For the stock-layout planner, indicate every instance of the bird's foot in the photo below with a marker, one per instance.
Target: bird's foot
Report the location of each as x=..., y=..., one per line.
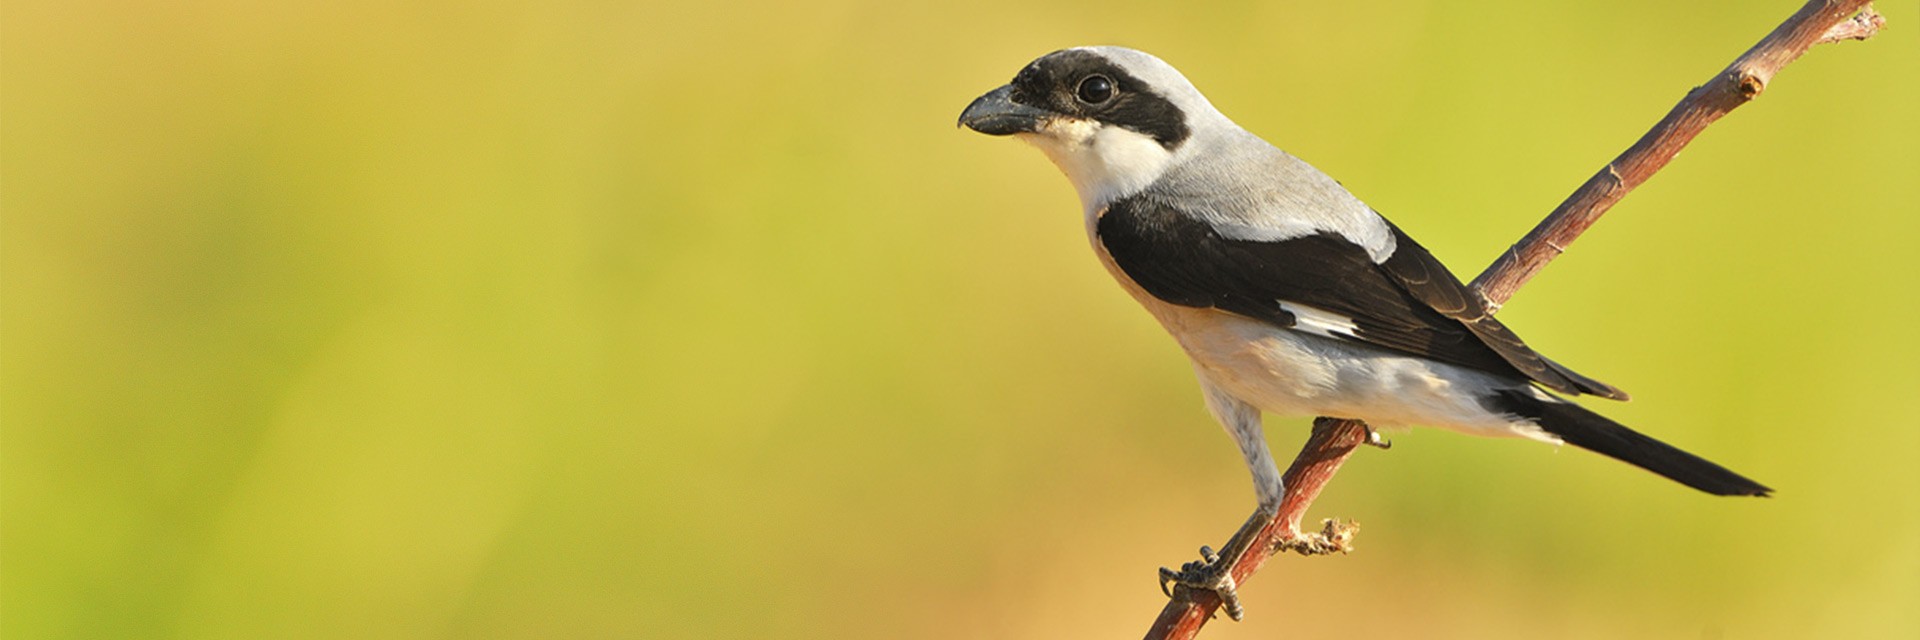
x=1214, y=571
x=1211, y=573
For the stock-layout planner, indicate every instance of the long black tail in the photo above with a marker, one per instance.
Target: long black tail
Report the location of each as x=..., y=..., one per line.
x=1594, y=432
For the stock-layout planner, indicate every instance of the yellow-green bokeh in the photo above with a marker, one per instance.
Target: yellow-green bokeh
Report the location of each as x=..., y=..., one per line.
x=701, y=319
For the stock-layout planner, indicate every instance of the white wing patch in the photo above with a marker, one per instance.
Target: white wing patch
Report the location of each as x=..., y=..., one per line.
x=1318, y=321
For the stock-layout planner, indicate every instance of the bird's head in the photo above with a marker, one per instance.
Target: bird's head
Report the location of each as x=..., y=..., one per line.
x=1113, y=119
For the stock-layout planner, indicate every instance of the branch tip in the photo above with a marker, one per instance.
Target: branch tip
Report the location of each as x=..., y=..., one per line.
x=1333, y=537
x=1861, y=26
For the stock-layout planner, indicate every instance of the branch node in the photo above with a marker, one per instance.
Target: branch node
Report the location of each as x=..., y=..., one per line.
x=1749, y=83
x=1616, y=182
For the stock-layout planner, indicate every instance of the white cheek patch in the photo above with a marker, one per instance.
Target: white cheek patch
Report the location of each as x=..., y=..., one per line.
x=1319, y=322
x=1104, y=162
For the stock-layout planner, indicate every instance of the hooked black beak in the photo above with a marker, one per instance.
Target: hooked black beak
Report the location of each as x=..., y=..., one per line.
x=996, y=114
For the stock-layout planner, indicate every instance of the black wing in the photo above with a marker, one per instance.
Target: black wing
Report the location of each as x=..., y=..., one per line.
x=1410, y=303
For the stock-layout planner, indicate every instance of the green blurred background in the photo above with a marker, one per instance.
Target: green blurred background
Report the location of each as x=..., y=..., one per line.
x=691, y=320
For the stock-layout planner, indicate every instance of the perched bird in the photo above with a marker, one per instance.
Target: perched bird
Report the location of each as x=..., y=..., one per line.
x=1289, y=294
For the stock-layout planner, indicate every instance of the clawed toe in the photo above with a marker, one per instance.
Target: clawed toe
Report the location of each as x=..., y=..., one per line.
x=1209, y=573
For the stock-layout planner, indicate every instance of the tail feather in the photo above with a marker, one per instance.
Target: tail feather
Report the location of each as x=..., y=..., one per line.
x=1594, y=432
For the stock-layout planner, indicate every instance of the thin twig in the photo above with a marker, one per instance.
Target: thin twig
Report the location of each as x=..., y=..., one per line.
x=1820, y=21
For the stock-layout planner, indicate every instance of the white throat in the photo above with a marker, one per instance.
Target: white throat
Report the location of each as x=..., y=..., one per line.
x=1104, y=162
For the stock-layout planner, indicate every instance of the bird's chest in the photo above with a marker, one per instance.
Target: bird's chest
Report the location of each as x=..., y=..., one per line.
x=1274, y=368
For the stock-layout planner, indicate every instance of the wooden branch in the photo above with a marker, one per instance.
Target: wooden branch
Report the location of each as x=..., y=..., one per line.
x=1329, y=446
x=1820, y=21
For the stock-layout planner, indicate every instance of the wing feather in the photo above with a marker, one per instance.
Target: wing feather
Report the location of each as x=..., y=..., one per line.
x=1409, y=303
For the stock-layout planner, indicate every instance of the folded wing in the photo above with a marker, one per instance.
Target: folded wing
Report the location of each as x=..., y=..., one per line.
x=1326, y=285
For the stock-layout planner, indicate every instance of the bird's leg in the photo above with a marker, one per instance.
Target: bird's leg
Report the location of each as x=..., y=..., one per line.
x=1214, y=571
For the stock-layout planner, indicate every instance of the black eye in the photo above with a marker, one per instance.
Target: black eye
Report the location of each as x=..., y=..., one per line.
x=1095, y=89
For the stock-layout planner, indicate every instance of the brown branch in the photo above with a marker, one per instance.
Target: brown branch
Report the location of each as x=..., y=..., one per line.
x=1332, y=441
x=1820, y=21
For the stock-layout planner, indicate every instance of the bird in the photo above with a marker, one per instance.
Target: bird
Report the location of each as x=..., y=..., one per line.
x=1289, y=295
